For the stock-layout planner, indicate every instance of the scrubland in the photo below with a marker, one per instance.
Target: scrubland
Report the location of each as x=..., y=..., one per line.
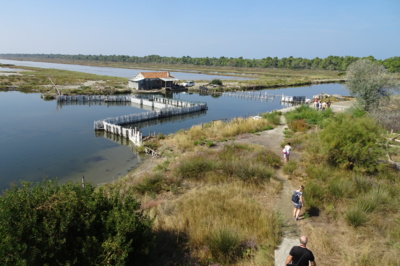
x=211, y=198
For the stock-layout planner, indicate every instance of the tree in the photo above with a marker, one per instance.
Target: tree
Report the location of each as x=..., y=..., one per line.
x=48, y=224
x=352, y=142
x=216, y=82
x=369, y=82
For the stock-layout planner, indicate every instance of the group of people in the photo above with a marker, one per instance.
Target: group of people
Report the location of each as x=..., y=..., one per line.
x=321, y=105
x=298, y=255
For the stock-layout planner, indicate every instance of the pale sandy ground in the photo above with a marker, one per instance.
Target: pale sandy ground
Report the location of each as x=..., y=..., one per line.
x=9, y=74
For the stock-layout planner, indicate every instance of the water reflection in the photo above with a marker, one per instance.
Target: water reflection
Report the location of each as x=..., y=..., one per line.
x=49, y=139
x=105, y=104
x=165, y=120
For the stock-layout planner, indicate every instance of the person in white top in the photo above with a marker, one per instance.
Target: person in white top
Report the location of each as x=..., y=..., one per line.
x=286, y=152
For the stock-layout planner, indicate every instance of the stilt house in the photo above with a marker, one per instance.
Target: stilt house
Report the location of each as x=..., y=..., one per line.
x=152, y=81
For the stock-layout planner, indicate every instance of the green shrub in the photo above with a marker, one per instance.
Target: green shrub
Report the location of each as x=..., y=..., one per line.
x=224, y=246
x=288, y=133
x=160, y=136
x=152, y=184
x=352, y=143
x=268, y=157
x=376, y=198
x=162, y=166
x=251, y=172
x=216, y=82
x=315, y=195
x=273, y=117
x=356, y=216
x=362, y=183
x=309, y=115
x=195, y=167
x=319, y=172
x=340, y=188
x=290, y=167
x=48, y=224
x=210, y=143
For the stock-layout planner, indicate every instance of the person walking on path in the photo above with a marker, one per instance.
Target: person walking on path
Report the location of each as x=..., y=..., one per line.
x=286, y=152
x=298, y=202
x=301, y=255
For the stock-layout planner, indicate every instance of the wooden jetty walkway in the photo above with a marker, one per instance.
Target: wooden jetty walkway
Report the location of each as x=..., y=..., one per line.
x=165, y=108
x=266, y=96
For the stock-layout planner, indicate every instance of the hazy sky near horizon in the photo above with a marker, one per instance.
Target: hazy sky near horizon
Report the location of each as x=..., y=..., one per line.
x=207, y=28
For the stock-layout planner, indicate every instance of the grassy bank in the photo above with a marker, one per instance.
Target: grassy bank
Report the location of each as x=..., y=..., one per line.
x=42, y=80
x=260, y=77
x=351, y=187
x=210, y=197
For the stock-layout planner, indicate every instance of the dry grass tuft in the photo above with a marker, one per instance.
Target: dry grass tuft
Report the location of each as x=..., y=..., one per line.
x=203, y=213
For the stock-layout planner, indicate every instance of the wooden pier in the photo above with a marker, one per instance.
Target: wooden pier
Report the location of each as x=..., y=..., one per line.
x=252, y=95
x=165, y=108
x=266, y=96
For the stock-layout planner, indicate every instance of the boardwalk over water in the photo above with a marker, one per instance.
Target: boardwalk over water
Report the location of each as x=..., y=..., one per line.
x=166, y=108
x=266, y=96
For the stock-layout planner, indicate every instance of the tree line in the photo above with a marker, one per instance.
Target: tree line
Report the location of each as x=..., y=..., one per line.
x=339, y=63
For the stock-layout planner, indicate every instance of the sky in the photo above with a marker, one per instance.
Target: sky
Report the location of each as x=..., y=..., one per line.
x=207, y=28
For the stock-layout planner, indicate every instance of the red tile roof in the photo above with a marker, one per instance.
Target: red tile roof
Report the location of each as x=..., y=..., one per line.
x=152, y=75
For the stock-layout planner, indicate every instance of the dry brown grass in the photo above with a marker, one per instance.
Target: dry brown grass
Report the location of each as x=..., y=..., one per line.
x=207, y=196
x=202, y=212
x=215, y=131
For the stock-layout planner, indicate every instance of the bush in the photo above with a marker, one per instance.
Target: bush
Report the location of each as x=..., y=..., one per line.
x=195, y=167
x=356, y=216
x=290, y=167
x=273, y=117
x=340, y=188
x=48, y=224
x=376, y=198
x=255, y=173
x=352, y=143
x=216, y=82
x=315, y=195
x=152, y=184
x=224, y=246
x=309, y=115
x=299, y=125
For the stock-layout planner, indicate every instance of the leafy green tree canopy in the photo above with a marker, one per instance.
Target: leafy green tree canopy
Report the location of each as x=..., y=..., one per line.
x=216, y=82
x=369, y=82
x=48, y=224
x=352, y=143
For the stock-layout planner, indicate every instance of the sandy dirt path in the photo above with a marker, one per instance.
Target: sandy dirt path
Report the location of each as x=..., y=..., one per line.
x=272, y=139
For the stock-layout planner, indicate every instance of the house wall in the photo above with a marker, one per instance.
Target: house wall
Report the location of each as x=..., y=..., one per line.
x=146, y=84
x=150, y=84
x=133, y=85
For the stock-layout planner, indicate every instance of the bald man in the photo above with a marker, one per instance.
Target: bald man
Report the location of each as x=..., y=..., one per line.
x=300, y=255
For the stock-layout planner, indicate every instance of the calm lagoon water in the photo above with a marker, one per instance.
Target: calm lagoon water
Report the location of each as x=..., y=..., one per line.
x=44, y=139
